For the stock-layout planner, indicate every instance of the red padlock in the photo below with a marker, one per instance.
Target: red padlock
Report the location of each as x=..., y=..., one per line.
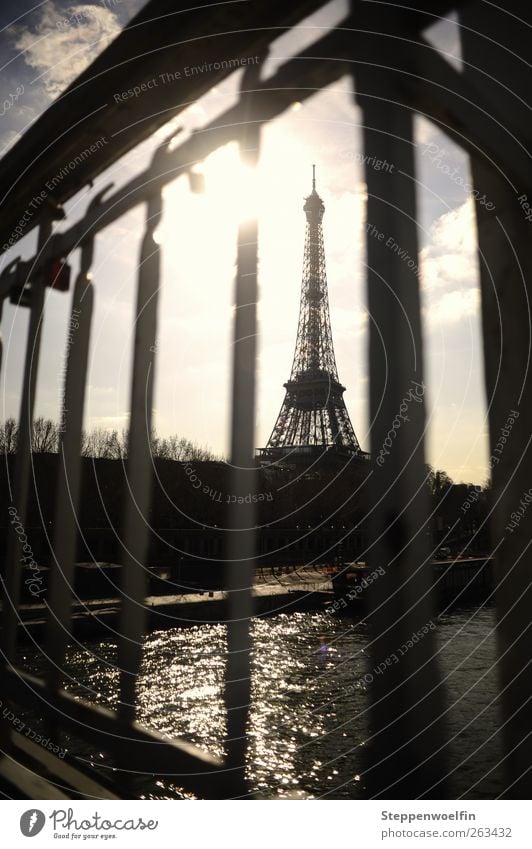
x=59, y=275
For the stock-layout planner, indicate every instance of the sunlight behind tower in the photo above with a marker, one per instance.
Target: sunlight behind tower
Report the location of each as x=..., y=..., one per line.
x=231, y=184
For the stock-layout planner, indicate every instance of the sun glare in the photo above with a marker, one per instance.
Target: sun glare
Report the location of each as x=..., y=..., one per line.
x=231, y=185
x=239, y=191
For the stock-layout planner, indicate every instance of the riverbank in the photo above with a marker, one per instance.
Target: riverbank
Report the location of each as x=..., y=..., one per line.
x=303, y=590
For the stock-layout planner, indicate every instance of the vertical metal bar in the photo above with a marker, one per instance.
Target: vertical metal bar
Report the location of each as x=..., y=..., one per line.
x=138, y=464
x=69, y=471
x=406, y=695
x=505, y=259
x=242, y=538
x=242, y=543
x=1, y=337
x=12, y=580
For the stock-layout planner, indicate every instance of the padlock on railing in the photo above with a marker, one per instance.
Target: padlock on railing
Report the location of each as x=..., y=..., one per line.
x=58, y=275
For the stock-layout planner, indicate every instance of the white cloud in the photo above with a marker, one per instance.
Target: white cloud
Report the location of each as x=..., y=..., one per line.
x=449, y=268
x=456, y=229
x=7, y=140
x=62, y=44
x=454, y=306
x=100, y=390
x=109, y=422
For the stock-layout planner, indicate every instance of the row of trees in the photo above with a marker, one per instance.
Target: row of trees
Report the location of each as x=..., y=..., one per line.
x=100, y=443
x=459, y=513
x=439, y=482
x=112, y=445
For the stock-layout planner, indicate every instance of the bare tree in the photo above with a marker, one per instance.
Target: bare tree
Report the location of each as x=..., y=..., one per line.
x=45, y=436
x=115, y=447
x=101, y=443
x=85, y=443
x=180, y=449
x=9, y=437
x=442, y=482
x=198, y=453
x=94, y=443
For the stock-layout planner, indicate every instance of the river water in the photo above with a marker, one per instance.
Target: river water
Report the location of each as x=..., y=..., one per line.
x=305, y=733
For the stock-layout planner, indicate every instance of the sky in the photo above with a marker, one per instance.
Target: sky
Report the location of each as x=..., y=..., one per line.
x=198, y=237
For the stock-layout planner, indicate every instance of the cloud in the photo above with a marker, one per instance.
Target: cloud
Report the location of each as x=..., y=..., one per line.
x=7, y=140
x=449, y=268
x=121, y=420
x=454, y=306
x=62, y=44
x=456, y=229
x=100, y=390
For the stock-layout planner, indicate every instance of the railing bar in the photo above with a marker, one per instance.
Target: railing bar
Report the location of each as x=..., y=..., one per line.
x=69, y=471
x=242, y=540
x=139, y=466
x=407, y=701
x=222, y=130
x=12, y=580
x=302, y=75
x=147, y=749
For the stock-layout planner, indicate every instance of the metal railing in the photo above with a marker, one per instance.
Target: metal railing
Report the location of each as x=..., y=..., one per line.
x=407, y=755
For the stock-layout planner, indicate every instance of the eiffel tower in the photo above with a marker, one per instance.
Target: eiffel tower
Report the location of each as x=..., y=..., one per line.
x=313, y=421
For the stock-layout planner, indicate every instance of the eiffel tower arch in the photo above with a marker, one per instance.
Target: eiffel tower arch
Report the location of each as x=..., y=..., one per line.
x=313, y=422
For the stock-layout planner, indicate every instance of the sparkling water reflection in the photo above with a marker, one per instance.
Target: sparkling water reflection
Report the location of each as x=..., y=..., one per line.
x=309, y=711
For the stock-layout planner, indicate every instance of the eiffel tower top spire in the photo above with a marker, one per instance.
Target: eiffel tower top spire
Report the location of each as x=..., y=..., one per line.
x=313, y=412
x=314, y=348
x=314, y=206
